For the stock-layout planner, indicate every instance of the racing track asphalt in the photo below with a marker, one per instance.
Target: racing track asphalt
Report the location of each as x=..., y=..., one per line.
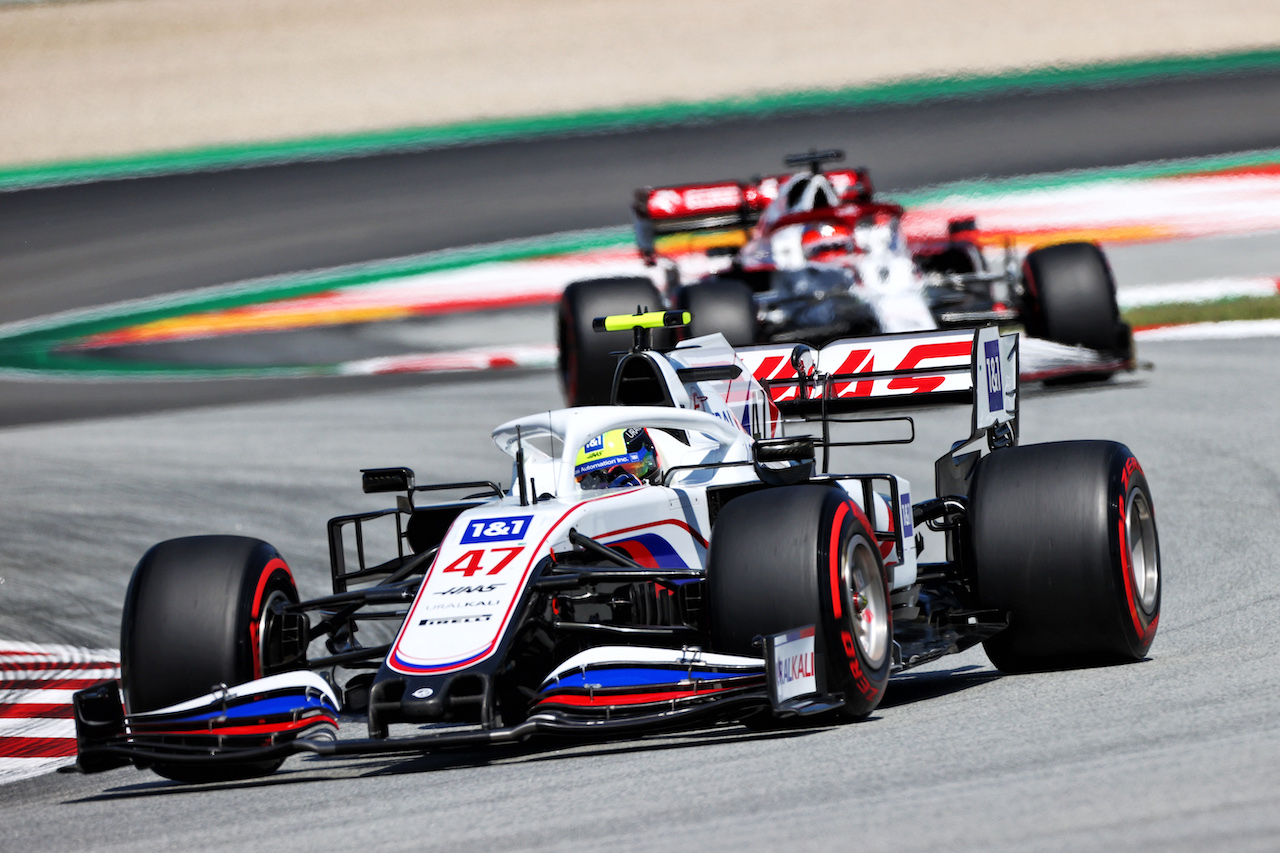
x=77, y=246
x=1176, y=753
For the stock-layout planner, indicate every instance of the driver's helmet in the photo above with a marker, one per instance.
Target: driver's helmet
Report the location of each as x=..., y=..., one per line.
x=801, y=193
x=617, y=459
x=826, y=241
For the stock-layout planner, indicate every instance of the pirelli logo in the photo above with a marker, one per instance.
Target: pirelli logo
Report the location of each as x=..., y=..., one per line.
x=456, y=620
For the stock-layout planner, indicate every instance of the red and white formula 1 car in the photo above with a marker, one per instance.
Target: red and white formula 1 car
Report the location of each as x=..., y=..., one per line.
x=815, y=255
x=680, y=558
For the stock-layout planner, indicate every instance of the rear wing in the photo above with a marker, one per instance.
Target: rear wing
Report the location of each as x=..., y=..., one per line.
x=979, y=366
x=755, y=389
x=688, y=218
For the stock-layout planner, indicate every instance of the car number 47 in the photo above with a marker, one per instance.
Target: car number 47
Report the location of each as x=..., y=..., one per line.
x=475, y=560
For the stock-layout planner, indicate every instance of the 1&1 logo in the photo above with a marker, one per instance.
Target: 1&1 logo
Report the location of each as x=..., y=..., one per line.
x=995, y=387
x=506, y=529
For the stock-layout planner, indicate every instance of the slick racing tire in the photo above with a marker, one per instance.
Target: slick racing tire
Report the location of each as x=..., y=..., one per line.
x=1063, y=540
x=723, y=305
x=1070, y=298
x=787, y=557
x=585, y=365
x=199, y=613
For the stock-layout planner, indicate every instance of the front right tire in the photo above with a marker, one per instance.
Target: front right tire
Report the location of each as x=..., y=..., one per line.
x=1063, y=539
x=723, y=305
x=1070, y=297
x=199, y=613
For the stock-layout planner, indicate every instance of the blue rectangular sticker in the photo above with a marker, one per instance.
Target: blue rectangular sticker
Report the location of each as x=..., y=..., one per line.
x=505, y=529
x=995, y=384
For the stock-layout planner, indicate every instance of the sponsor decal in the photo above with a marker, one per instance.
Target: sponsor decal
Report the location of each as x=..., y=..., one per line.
x=995, y=386
x=456, y=620
x=496, y=529
x=706, y=198
x=607, y=462
x=673, y=202
x=454, y=605
x=462, y=590
x=930, y=365
x=423, y=693
x=664, y=201
x=860, y=680
x=793, y=670
x=907, y=530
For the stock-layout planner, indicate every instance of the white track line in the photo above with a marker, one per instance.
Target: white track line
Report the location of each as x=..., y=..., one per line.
x=1230, y=330
x=483, y=358
x=7, y=673
x=1207, y=290
x=37, y=728
x=36, y=697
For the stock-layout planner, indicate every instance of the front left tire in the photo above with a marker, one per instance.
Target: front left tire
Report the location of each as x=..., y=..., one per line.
x=586, y=361
x=1069, y=296
x=791, y=556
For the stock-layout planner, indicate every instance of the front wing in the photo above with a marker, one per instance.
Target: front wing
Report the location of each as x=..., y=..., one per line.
x=603, y=693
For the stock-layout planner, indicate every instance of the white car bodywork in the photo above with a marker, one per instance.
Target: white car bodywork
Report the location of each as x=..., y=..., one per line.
x=469, y=597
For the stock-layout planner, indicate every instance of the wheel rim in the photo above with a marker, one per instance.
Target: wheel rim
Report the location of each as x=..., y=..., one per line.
x=867, y=604
x=266, y=626
x=1144, y=557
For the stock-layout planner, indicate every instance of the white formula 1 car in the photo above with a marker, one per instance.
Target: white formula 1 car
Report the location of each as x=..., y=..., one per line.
x=816, y=255
x=681, y=558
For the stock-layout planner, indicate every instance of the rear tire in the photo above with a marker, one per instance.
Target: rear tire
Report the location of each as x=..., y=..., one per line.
x=1070, y=298
x=786, y=557
x=197, y=615
x=723, y=305
x=1063, y=539
x=585, y=364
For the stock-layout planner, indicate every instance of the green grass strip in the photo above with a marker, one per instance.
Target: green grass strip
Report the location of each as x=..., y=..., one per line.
x=909, y=91
x=83, y=368
x=1226, y=310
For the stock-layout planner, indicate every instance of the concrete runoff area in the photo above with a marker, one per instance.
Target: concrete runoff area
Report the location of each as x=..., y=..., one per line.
x=118, y=77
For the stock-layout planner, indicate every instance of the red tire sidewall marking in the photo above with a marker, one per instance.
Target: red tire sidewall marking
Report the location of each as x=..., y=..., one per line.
x=847, y=508
x=1144, y=630
x=255, y=612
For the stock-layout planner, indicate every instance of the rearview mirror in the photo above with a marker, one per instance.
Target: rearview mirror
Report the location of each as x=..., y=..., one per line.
x=386, y=480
